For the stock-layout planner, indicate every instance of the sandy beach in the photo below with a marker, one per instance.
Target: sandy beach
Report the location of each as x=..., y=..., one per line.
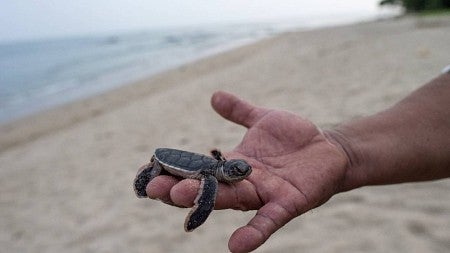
x=66, y=174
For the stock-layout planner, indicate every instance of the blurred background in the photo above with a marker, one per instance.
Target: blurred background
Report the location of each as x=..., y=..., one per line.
x=52, y=52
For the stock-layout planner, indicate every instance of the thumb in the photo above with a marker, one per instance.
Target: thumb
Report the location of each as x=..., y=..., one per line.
x=236, y=110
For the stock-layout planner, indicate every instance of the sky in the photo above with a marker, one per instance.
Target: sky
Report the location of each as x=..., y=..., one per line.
x=33, y=19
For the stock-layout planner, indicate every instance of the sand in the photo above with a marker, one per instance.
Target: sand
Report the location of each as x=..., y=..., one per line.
x=66, y=174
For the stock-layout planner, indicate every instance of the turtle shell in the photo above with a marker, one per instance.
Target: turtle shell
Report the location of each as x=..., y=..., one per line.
x=183, y=163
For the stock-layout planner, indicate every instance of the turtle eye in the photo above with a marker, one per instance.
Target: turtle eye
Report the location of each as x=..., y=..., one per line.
x=239, y=170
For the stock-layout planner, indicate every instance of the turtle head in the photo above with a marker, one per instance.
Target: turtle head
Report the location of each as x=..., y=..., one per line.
x=235, y=170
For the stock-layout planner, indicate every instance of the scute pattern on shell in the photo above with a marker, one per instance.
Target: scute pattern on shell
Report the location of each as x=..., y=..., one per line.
x=184, y=159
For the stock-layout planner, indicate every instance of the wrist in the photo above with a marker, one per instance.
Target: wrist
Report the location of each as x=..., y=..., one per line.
x=405, y=143
x=339, y=138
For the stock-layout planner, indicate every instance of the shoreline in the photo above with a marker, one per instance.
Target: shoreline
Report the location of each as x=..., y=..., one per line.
x=18, y=130
x=35, y=125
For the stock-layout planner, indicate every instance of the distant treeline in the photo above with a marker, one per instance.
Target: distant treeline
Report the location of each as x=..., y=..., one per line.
x=419, y=5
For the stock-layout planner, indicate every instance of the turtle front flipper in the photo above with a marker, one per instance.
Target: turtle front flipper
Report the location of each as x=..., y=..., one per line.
x=145, y=174
x=217, y=155
x=203, y=204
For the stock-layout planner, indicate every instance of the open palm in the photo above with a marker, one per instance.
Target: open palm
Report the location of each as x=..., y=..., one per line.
x=295, y=168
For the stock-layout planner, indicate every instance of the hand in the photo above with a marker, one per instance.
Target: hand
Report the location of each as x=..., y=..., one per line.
x=295, y=168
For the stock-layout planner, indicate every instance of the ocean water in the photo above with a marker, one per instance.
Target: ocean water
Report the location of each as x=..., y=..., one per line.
x=36, y=75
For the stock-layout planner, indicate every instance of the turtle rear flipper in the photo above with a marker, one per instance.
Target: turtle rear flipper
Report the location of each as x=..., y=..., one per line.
x=203, y=204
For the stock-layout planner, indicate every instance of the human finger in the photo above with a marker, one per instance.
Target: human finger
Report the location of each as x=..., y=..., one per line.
x=235, y=109
x=185, y=192
x=267, y=220
x=159, y=188
x=240, y=195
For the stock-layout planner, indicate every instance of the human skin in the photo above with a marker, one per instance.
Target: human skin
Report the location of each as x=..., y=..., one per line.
x=297, y=166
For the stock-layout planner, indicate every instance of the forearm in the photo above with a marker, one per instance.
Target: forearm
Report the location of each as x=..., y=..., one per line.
x=408, y=142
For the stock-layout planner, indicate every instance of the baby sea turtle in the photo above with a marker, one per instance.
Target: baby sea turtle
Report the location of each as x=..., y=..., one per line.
x=186, y=164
